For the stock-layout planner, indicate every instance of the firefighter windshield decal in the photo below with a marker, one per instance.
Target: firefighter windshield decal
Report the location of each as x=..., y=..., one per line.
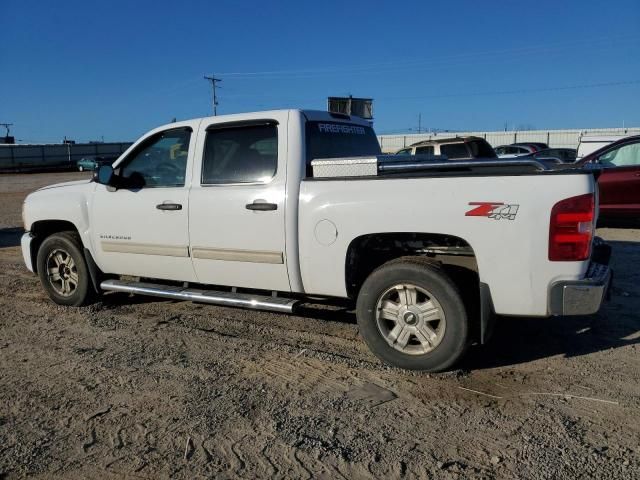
x=495, y=210
x=341, y=128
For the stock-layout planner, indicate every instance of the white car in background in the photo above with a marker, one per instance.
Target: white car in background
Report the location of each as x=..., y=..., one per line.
x=513, y=151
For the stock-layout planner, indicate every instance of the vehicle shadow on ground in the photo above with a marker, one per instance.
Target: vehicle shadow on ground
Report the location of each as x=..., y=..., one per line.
x=10, y=237
x=319, y=311
x=619, y=223
x=518, y=340
x=120, y=299
x=344, y=313
x=521, y=340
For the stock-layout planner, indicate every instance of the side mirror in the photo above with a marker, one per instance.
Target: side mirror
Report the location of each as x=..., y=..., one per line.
x=104, y=175
x=592, y=165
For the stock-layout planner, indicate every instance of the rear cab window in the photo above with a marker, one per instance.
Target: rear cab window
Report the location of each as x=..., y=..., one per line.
x=481, y=149
x=454, y=151
x=326, y=139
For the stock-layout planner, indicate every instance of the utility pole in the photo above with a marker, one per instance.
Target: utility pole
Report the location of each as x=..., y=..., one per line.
x=420, y=123
x=7, y=138
x=7, y=125
x=214, y=84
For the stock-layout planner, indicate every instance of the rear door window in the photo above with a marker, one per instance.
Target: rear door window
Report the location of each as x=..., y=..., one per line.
x=244, y=154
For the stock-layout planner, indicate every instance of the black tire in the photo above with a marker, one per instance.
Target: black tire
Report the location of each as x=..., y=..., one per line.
x=70, y=244
x=427, y=275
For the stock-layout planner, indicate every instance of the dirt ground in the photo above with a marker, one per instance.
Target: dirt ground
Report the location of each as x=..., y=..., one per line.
x=144, y=388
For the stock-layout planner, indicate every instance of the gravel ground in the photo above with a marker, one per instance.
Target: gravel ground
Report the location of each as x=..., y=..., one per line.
x=144, y=388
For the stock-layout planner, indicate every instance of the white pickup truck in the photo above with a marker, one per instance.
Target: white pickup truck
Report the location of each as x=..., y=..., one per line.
x=266, y=210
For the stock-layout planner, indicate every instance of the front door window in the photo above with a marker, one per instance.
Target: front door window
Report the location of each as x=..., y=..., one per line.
x=625, y=156
x=161, y=161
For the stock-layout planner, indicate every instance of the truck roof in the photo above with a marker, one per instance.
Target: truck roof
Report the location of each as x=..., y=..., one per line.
x=310, y=115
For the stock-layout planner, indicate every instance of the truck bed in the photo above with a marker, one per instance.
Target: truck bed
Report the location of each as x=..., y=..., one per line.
x=511, y=249
x=431, y=166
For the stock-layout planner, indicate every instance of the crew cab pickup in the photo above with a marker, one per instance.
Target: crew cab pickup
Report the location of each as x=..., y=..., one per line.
x=268, y=210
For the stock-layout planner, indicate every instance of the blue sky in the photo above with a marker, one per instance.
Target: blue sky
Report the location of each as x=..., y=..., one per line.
x=87, y=69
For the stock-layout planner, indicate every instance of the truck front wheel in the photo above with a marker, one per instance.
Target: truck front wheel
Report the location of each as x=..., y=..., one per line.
x=63, y=271
x=412, y=316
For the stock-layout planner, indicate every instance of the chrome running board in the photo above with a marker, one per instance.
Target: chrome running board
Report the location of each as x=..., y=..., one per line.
x=227, y=299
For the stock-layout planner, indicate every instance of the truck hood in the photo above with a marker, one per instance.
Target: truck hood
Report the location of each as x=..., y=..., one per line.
x=64, y=184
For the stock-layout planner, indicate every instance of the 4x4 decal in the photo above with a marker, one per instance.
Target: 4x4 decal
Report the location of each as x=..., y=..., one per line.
x=495, y=210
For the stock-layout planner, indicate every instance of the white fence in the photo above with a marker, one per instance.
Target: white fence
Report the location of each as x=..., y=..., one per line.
x=554, y=138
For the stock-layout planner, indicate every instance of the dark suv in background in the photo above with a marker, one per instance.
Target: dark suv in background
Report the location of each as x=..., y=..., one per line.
x=458, y=148
x=564, y=155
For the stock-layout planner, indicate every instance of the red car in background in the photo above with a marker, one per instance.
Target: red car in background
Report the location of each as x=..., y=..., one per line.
x=619, y=182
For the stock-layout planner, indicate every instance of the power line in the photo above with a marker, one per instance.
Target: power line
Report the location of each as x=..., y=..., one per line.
x=455, y=58
x=309, y=97
x=515, y=92
x=214, y=84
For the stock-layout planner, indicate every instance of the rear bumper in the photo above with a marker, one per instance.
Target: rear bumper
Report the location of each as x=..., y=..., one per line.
x=581, y=297
x=25, y=245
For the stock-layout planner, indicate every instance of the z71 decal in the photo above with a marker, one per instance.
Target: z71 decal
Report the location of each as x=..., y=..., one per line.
x=495, y=210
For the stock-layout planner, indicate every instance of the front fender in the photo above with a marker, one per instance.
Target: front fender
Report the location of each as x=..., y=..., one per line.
x=60, y=205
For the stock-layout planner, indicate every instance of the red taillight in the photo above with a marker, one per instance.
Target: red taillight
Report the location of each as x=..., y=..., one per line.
x=571, y=229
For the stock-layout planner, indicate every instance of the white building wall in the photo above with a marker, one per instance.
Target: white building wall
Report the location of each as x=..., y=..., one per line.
x=554, y=138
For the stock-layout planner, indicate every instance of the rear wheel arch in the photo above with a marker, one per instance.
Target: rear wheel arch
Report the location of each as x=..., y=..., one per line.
x=453, y=254
x=367, y=252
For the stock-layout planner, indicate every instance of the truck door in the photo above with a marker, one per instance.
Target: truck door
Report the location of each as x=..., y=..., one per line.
x=237, y=202
x=620, y=180
x=144, y=231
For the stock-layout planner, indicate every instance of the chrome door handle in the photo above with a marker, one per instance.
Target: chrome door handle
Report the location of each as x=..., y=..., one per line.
x=169, y=206
x=261, y=206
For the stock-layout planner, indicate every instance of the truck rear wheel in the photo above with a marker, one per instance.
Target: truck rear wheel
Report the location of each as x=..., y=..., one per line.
x=63, y=270
x=412, y=316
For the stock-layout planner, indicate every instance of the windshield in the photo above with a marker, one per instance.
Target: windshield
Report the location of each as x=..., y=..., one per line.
x=336, y=140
